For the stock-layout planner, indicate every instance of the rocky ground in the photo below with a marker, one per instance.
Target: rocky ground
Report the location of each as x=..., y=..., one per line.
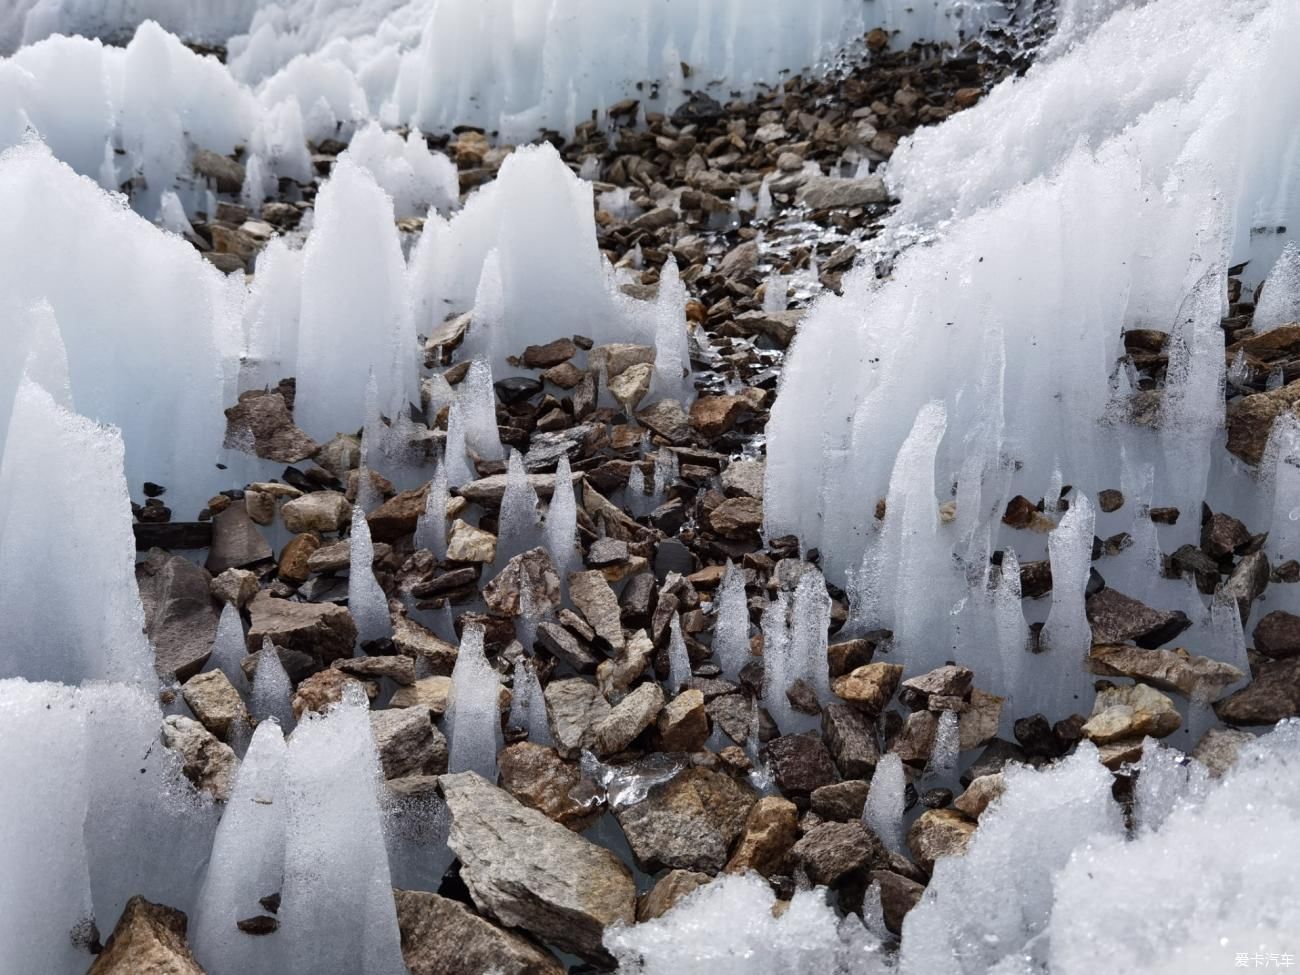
x=696, y=776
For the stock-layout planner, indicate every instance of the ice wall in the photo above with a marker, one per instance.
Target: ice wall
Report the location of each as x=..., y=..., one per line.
x=148, y=326
x=27, y=21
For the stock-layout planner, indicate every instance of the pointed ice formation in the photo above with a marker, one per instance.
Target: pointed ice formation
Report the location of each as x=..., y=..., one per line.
x=561, y=529
x=731, y=624
x=473, y=713
x=229, y=648
x=1279, y=301
x=478, y=413
x=886, y=802
x=672, y=354
x=272, y=689
x=366, y=600
x=431, y=527
x=519, y=525
x=679, y=661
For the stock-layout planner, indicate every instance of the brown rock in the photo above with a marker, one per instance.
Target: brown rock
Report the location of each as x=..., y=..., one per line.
x=541, y=780
x=532, y=570
x=667, y=891
x=869, y=687
x=445, y=937
x=1116, y=618
x=1250, y=420
x=898, y=895
x=840, y=801
x=427, y=692
x=687, y=823
x=939, y=833
x=712, y=416
x=800, y=763
x=216, y=703
x=1127, y=712
x=207, y=762
x=1201, y=678
x=322, y=630
x=831, y=852
x=149, y=938
x=597, y=603
x=851, y=740
x=396, y=517
x=319, y=511
x=261, y=421
x=771, y=828
x=667, y=419
x=737, y=517
x=294, y=558
x=1272, y=695
x=683, y=724
x=551, y=354
x=322, y=690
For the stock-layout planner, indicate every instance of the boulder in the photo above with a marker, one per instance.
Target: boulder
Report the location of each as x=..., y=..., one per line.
x=179, y=616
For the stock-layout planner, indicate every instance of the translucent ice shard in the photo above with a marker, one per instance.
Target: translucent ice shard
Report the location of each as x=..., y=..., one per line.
x=473, y=713
x=731, y=624
x=561, y=529
x=519, y=525
x=431, y=528
x=883, y=812
x=366, y=600
x=1279, y=302
x=229, y=648
x=272, y=689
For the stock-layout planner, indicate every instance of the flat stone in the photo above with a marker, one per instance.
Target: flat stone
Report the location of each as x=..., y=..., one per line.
x=978, y=724
x=322, y=630
x=667, y=419
x=851, y=740
x=550, y=354
x=869, y=687
x=1127, y=712
x=216, y=703
x=397, y=667
x=683, y=724
x=149, y=937
x=489, y=490
x=532, y=570
x=414, y=640
x=631, y=716
x=840, y=801
x=829, y=192
x=617, y=357
x=565, y=647
x=226, y=174
x=949, y=681
x=319, y=511
x=687, y=823
x=465, y=543
x=596, y=601
x=541, y=780
x=445, y=937
x=770, y=830
x=737, y=518
x=206, y=761
x=426, y=692
x=179, y=616
x=407, y=742
x=1272, y=695
x=261, y=420
x=979, y=794
x=744, y=478
x=939, y=833
x=625, y=668
x=800, y=763
x=1200, y=678
x=630, y=386
x=831, y=852
x=529, y=872
x=712, y=416
x=574, y=707
x=1278, y=634
x=236, y=541
x=667, y=892
x=1116, y=618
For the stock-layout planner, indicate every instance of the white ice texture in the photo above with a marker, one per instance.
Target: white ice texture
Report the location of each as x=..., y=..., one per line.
x=561, y=528
x=272, y=690
x=366, y=600
x=229, y=648
x=473, y=712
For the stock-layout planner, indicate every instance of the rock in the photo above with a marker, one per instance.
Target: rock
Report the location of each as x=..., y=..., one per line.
x=737, y=517
x=533, y=570
x=607, y=551
x=322, y=630
x=323, y=690
x=224, y=172
x=551, y=354
x=338, y=555
x=631, y=716
x=445, y=937
x=236, y=542
x=829, y=192
x=840, y=801
x=625, y=668
x=1116, y=618
x=179, y=617
x=996, y=755
x=1272, y=695
x=848, y=655
x=397, y=517
x=1110, y=500
x=667, y=419
x=465, y=543
x=688, y=822
x=149, y=938
x=259, y=506
x=261, y=421
x=573, y=708
x=1222, y=535
x=1127, y=712
x=236, y=586
x=656, y=219
x=869, y=687
x=831, y=852
x=978, y=724
x=1250, y=420
x=915, y=740
x=530, y=872
x=979, y=794
x=541, y=780
x=1218, y=748
x=398, y=668
x=743, y=478
x=295, y=558
x=800, y=764
x=408, y=743
x=946, y=682
x=667, y=891
x=1247, y=582
x=414, y=640
x=597, y=603
x=216, y=703
x=565, y=647
x=620, y=356
x=340, y=455
x=712, y=416
x=739, y=261
x=427, y=692
x=683, y=724
x=630, y=386
x=770, y=830
x=489, y=490
x=939, y=833
x=898, y=895
x=851, y=740
x=779, y=326
x=516, y=389
x=1278, y=634
x=1200, y=678
x=207, y=762
x=319, y=511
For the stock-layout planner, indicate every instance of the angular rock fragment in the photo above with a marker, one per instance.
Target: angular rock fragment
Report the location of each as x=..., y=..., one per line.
x=179, y=617
x=408, y=743
x=1200, y=678
x=939, y=833
x=236, y=542
x=800, y=763
x=445, y=937
x=574, y=707
x=631, y=716
x=1272, y=695
x=831, y=852
x=869, y=687
x=207, y=762
x=321, y=630
x=687, y=823
x=149, y=937
x=262, y=421
x=1127, y=712
x=667, y=891
x=596, y=601
x=216, y=703
x=1116, y=618
x=541, y=780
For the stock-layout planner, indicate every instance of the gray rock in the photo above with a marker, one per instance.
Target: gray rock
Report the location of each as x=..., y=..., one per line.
x=841, y=801
x=532, y=570
x=225, y=173
x=445, y=937
x=1273, y=694
x=851, y=740
x=491, y=489
x=1218, y=748
x=801, y=764
x=831, y=852
x=668, y=419
x=828, y=192
x=322, y=630
x=565, y=647
x=667, y=891
x=688, y=823
x=573, y=709
x=209, y=763
x=179, y=617
x=1247, y=583
x=319, y=511
x=216, y=703
x=631, y=716
x=408, y=743
x=530, y=872
x=898, y=895
x=261, y=423
x=597, y=603
x=1201, y=678
x=1116, y=618
x=744, y=477
x=236, y=542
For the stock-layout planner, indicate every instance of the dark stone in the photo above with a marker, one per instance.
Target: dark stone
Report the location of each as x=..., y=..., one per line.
x=173, y=535
x=996, y=754
x=936, y=798
x=898, y=895
x=672, y=555
x=1020, y=512
x=802, y=697
x=830, y=853
x=636, y=600
x=1247, y=582
x=1222, y=535
x=516, y=389
x=840, y=802
x=1278, y=634
x=1273, y=694
x=1165, y=516
x=698, y=108
x=1035, y=579
x=851, y=739
x=258, y=924
x=1036, y=737
x=1189, y=558
x=801, y=763
x=1117, y=618
x=565, y=647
